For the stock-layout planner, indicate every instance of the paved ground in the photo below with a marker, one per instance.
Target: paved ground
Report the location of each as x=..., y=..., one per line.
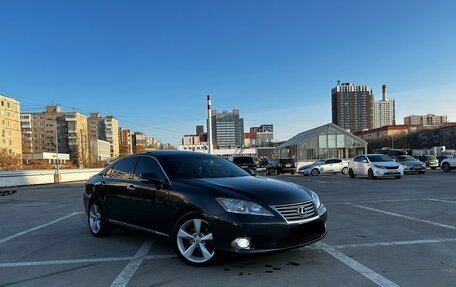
x=385, y=232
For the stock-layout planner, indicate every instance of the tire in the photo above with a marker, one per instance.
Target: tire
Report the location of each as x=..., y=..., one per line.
x=370, y=174
x=446, y=167
x=344, y=171
x=398, y=176
x=433, y=168
x=277, y=172
x=305, y=174
x=292, y=173
x=97, y=221
x=421, y=172
x=351, y=174
x=268, y=172
x=314, y=172
x=193, y=244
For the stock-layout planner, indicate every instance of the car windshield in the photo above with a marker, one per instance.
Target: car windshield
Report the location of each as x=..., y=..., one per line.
x=406, y=158
x=430, y=157
x=201, y=167
x=286, y=161
x=243, y=159
x=379, y=158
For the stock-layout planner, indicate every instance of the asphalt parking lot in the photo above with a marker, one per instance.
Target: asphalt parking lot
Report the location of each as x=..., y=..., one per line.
x=385, y=232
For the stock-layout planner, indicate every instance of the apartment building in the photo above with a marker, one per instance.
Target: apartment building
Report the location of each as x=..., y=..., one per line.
x=106, y=129
x=42, y=131
x=429, y=120
x=125, y=141
x=227, y=129
x=385, y=110
x=10, y=125
x=353, y=107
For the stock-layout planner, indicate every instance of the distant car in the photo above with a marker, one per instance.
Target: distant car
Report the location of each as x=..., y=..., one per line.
x=373, y=166
x=281, y=165
x=333, y=165
x=449, y=163
x=245, y=162
x=430, y=161
x=263, y=163
x=411, y=164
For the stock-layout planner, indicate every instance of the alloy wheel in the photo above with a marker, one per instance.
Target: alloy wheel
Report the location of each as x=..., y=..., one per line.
x=195, y=241
x=95, y=218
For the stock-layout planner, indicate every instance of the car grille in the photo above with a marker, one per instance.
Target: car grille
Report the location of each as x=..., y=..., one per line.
x=291, y=211
x=391, y=167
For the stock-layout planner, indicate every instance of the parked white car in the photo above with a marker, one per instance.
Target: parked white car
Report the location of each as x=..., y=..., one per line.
x=325, y=166
x=449, y=163
x=374, y=165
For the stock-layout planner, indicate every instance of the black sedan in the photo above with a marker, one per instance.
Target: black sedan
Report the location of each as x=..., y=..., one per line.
x=204, y=204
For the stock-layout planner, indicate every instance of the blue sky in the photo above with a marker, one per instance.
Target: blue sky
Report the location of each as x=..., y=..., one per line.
x=151, y=63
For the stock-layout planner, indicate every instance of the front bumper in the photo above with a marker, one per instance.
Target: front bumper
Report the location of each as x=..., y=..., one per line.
x=304, y=171
x=266, y=233
x=408, y=168
x=388, y=172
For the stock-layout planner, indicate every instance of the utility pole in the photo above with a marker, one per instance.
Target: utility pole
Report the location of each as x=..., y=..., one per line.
x=209, y=123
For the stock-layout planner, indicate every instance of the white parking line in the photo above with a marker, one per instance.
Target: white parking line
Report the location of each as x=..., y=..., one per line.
x=392, y=243
x=71, y=261
x=314, y=180
x=442, y=200
x=37, y=227
x=82, y=260
x=406, y=217
x=358, y=267
x=127, y=273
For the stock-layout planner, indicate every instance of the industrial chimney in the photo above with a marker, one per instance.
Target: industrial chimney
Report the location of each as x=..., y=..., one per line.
x=384, y=93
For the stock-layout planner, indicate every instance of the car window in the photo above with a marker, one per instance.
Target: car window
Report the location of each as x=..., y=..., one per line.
x=286, y=161
x=201, y=167
x=337, y=160
x=329, y=161
x=379, y=158
x=147, y=164
x=123, y=168
x=360, y=158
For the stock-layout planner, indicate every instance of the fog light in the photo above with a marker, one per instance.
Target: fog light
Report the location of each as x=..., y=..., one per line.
x=241, y=243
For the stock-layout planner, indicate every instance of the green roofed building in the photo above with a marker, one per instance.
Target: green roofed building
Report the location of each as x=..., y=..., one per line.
x=327, y=141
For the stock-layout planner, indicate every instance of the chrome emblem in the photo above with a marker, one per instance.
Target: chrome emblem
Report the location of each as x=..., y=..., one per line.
x=302, y=210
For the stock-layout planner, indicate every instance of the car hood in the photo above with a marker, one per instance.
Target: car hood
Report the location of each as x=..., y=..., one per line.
x=411, y=162
x=258, y=189
x=309, y=166
x=387, y=163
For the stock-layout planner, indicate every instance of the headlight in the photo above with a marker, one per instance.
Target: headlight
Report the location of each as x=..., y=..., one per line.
x=242, y=207
x=315, y=199
x=378, y=166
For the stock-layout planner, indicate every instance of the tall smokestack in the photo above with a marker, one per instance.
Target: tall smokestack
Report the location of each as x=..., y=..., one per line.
x=209, y=123
x=384, y=93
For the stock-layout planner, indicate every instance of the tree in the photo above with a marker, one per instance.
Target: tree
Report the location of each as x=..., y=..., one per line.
x=9, y=160
x=37, y=164
x=139, y=149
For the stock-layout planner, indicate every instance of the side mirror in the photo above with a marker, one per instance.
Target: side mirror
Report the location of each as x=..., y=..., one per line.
x=364, y=160
x=251, y=172
x=150, y=177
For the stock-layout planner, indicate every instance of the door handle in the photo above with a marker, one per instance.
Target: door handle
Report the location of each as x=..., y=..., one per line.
x=131, y=188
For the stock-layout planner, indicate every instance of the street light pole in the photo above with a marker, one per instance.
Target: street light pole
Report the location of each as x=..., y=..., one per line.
x=57, y=148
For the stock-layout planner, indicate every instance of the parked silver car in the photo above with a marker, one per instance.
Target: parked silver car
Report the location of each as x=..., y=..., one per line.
x=325, y=166
x=411, y=164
